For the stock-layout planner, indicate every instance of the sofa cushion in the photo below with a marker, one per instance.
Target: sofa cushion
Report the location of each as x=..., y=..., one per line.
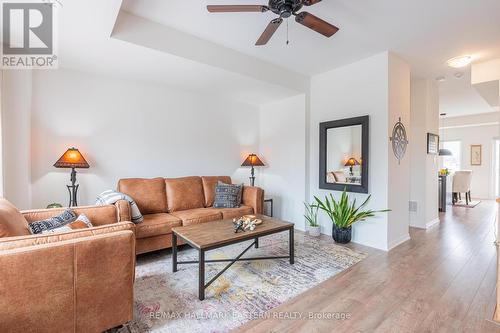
x=184, y=193
x=340, y=176
x=12, y=222
x=157, y=224
x=231, y=213
x=149, y=194
x=200, y=215
x=209, y=183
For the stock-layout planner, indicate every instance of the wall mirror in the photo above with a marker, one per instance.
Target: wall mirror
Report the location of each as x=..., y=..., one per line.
x=343, y=154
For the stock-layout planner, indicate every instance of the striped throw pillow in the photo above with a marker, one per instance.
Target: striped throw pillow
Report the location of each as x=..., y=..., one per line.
x=39, y=227
x=81, y=222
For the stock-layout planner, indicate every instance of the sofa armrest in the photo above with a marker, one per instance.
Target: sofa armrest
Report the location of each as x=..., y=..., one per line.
x=8, y=243
x=253, y=197
x=76, y=285
x=123, y=210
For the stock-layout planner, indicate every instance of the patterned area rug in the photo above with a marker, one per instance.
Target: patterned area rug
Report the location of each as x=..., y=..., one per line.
x=168, y=302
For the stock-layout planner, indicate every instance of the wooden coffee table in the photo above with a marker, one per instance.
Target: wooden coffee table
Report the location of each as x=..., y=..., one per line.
x=213, y=235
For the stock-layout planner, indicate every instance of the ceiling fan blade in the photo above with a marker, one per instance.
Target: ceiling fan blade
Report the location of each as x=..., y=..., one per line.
x=316, y=24
x=269, y=32
x=310, y=2
x=236, y=8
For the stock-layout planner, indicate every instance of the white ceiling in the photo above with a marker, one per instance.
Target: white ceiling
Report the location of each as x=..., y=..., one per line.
x=425, y=33
x=457, y=97
x=85, y=44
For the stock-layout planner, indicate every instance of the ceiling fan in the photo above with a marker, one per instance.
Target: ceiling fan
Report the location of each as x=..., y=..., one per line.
x=285, y=9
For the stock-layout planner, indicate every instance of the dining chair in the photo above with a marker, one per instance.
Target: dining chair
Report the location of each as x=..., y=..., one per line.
x=461, y=184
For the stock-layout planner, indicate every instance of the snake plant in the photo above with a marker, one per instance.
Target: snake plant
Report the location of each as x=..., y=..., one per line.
x=344, y=213
x=311, y=214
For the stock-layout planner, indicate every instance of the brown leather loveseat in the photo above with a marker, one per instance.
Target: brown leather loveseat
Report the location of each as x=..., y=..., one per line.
x=171, y=202
x=76, y=281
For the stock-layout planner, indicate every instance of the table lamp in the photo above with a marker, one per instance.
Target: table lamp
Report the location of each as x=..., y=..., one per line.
x=253, y=161
x=350, y=163
x=73, y=159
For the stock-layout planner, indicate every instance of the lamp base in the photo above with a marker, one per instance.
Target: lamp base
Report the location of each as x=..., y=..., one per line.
x=252, y=177
x=73, y=189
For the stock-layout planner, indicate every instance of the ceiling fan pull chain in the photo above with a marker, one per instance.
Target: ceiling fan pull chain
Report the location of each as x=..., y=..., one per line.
x=287, y=40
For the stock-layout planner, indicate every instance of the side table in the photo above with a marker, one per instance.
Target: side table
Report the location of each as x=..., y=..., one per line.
x=271, y=204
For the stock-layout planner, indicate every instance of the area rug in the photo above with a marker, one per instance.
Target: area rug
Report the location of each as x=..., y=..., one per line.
x=168, y=302
x=472, y=203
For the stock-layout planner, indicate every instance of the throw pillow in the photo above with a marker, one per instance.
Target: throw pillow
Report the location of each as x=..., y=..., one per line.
x=227, y=195
x=64, y=218
x=110, y=197
x=81, y=222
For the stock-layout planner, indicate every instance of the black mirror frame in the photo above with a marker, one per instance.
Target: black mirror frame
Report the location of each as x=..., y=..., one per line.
x=323, y=128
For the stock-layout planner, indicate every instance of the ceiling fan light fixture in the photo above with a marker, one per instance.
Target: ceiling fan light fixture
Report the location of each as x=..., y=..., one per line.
x=284, y=9
x=460, y=62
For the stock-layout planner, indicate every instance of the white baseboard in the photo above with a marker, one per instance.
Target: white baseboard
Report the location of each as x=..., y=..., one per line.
x=428, y=225
x=398, y=242
x=300, y=227
x=432, y=223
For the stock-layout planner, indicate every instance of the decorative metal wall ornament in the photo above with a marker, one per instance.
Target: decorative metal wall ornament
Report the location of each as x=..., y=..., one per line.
x=399, y=140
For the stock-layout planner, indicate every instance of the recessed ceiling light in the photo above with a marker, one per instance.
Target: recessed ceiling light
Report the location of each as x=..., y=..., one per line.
x=460, y=62
x=441, y=79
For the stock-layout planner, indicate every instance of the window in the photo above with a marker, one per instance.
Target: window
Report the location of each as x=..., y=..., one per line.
x=452, y=162
x=496, y=167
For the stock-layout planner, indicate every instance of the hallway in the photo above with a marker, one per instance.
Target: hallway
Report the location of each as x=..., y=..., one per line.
x=443, y=279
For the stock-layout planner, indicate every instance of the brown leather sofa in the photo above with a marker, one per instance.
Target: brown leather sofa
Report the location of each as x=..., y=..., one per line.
x=78, y=281
x=171, y=202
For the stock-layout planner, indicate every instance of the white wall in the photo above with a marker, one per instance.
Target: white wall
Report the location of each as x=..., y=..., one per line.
x=355, y=90
x=473, y=130
x=137, y=129
x=378, y=86
x=131, y=129
x=424, y=167
x=399, y=171
x=282, y=146
x=16, y=132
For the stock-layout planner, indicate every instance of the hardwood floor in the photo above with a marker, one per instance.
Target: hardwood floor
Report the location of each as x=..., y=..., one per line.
x=442, y=280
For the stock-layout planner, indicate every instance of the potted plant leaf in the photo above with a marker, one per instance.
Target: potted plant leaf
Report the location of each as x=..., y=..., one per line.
x=311, y=216
x=344, y=214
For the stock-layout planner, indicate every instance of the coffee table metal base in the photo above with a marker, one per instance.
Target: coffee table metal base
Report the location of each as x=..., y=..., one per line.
x=201, y=261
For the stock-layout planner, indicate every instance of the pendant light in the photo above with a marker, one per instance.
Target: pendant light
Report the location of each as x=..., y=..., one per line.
x=443, y=151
